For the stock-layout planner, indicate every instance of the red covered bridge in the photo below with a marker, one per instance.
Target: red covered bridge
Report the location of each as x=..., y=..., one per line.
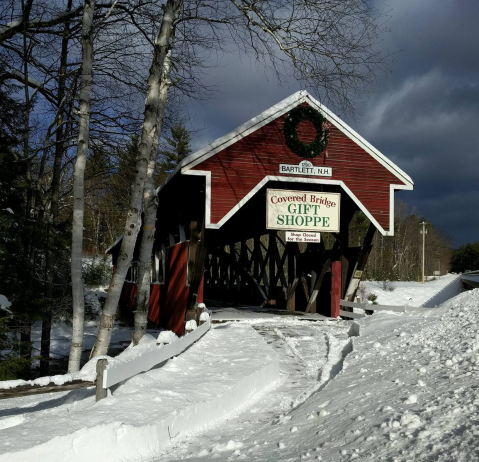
x=225, y=212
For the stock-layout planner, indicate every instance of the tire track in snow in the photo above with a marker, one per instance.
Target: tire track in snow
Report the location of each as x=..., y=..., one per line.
x=336, y=351
x=290, y=343
x=311, y=355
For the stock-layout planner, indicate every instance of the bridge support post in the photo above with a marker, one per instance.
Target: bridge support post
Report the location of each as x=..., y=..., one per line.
x=335, y=288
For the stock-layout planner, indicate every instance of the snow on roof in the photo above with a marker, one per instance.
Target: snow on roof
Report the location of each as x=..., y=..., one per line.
x=114, y=244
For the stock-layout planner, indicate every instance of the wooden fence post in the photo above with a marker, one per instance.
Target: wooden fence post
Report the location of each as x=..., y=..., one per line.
x=100, y=369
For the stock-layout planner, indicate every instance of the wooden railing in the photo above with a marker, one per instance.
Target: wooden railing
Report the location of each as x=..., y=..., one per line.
x=109, y=375
x=371, y=307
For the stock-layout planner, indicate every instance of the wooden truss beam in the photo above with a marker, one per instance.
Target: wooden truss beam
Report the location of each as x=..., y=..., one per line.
x=360, y=264
x=196, y=260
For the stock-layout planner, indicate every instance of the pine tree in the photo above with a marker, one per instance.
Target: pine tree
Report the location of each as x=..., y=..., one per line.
x=14, y=355
x=466, y=258
x=178, y=147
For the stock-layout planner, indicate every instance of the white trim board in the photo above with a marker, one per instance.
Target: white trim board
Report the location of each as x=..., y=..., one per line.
x=266, y=179
x=273, y=113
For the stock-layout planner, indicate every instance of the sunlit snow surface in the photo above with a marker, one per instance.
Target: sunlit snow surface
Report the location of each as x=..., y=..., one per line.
x=405, y=389
x=409, y=293
x=407, y=392
x=200, y=387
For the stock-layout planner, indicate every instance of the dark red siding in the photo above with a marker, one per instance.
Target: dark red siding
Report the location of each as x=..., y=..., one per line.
x=128, y=296
x=237, y=169
x=167, y=301
x=172, y=317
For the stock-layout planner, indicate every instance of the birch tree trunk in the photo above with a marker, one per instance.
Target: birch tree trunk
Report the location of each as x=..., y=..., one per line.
x=79, y=187
x=150, y=199
x=55, y=189
x=154, y=109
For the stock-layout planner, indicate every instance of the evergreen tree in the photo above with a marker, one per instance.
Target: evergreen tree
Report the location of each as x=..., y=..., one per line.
x=466, y=258
x=14, y=356
x=177, y=148
x=125, y=173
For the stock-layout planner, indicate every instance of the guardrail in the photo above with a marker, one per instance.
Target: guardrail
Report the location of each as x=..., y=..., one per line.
x=370, y=307
x=109, y=375
x=450, y=290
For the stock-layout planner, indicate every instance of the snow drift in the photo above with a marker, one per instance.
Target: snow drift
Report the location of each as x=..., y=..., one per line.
x=205, y=384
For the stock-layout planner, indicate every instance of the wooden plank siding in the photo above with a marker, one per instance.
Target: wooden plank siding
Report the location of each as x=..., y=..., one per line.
x=238, y=168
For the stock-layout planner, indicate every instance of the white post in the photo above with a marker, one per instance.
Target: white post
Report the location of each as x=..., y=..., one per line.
x=101, y=393
x=423, y=232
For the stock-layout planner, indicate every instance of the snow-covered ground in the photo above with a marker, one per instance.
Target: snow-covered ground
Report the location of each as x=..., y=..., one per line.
x=62, y=331
x=409, y=293
x=390, y=387
x=199, y=387
x=408, y=391
x=254, y=313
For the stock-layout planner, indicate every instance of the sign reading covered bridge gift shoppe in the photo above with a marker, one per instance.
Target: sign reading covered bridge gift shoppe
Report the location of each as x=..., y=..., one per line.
x=302, y=210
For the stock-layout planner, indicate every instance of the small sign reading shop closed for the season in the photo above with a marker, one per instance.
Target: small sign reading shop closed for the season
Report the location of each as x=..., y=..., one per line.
x=302, y=210
x=302, y=236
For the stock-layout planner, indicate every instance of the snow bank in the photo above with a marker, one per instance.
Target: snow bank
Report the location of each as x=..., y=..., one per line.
x=407, y=392
x=453, y=288
x=206, y=384
x=408, y=292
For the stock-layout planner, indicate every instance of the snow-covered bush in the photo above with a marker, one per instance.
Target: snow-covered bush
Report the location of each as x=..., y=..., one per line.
x=365, y=296
x=361, y=293
x=387, y=285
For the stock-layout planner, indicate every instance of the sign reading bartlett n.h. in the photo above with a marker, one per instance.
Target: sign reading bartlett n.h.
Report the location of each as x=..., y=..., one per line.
x=302, y=210
x=305, y=168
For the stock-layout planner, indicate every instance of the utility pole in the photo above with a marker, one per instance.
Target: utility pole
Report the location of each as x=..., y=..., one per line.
x=423, y=232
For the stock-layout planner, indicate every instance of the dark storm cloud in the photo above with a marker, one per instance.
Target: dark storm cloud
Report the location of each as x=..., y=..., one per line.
x=423, y=113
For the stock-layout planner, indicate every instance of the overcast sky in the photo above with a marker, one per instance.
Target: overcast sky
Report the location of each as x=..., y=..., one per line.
x=423, y=113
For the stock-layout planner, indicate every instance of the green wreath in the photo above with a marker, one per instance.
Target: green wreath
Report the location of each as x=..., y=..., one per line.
x=321, y=125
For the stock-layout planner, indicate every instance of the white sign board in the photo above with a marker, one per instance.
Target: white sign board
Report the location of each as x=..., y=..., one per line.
x=302, y=236
x=302, y=210
x=305, y=168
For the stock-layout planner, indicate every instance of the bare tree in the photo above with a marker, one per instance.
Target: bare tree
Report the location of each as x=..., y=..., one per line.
x=78, y=187
x=154, y=112
x=399, y=257
x=329, y=46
